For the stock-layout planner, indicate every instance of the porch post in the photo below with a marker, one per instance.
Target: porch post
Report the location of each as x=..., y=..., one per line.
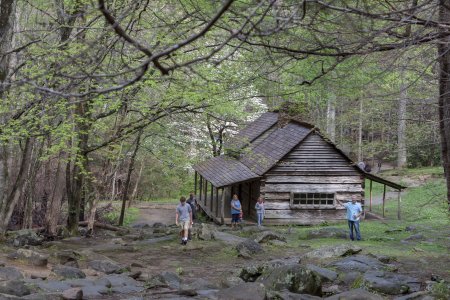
x=205, y=202
x=249, y=197
x=384, y=198
x=222, y=206
x=370, y=195
x=211, y=200
x=200, y=189
x=195, y=183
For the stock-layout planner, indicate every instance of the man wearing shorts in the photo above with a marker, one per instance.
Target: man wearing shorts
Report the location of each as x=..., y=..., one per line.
x=183, y=217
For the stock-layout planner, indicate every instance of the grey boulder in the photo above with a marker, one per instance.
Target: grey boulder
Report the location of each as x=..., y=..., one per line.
x=26, y=237
x=10, y=273
x=390, y=283
x=359, y=263
x=327, y=232
x=326, y=275
x=73, y=294
x=206, y=232
x=165, y=279
x=14, y=287
x=104, y=266
x=286, y=295
x=31, y=257
x=248, y=247
x=295, y=278
x=356, y=294
x=266, y=236
x=334, y=251
x=242, y=292
x=66, y=272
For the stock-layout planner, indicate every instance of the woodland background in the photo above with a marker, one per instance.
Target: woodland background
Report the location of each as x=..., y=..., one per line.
x=116, y=99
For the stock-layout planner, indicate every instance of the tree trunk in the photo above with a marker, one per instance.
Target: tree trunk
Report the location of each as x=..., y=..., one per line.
x=11, y=199
x=53, y=200
x=127, y=182
x=7, y=20
x=401, y=129
x=444, y=93
x=28, y=189
x=91, y=197
x=360, y=128
x=77, y=175
x=331, y=118
x=136, y=185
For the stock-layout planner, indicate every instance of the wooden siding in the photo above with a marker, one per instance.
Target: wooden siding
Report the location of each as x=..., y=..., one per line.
x=303, y=217
x=313, y=166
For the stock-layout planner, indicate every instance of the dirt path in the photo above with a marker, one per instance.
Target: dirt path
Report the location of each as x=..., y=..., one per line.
x=150, y=214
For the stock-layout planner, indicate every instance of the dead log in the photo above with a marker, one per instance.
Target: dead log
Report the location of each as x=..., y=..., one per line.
x=82, y=224
x=104, y=226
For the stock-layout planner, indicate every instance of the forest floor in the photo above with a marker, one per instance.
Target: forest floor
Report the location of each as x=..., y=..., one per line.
x=417, y=246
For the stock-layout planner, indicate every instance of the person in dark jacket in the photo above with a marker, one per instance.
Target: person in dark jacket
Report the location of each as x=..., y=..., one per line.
x=192, y=201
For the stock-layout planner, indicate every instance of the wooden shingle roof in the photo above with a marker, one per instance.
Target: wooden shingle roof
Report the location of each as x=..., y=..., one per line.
x=253, y=130
x=260, y=158
x=224, y=170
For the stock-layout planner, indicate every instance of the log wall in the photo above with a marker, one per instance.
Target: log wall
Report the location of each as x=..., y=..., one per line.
x=314, y=166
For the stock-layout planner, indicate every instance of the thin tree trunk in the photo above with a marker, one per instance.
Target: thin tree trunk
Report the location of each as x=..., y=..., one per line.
x=53, y=202
x=331, y=118
x=91, y=198
x=136, y=185
x=401, y=129
x=127, y=182
x=360, y=128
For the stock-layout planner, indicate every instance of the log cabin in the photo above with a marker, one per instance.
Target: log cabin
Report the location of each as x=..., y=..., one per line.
x=299, y=173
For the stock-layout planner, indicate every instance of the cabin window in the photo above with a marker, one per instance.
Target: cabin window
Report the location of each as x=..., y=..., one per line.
x=312, y=200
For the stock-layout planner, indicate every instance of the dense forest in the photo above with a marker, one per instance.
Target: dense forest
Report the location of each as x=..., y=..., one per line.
x=116, y=99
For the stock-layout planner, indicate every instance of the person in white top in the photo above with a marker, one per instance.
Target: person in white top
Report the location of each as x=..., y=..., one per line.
x=260, y=211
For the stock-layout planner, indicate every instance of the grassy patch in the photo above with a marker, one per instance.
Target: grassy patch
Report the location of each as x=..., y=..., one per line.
x=424, y=207
x=131, y=215
x=433, y=171
x=427, y=204
x=377, y=188
x=428, y=172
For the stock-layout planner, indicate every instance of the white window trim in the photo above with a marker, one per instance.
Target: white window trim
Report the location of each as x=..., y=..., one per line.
x=311, y=206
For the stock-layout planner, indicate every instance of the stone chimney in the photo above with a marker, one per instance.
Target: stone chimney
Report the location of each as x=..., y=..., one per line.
x=291, y=111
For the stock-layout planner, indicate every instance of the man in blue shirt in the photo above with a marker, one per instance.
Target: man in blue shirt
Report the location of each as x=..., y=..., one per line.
x=354, y=212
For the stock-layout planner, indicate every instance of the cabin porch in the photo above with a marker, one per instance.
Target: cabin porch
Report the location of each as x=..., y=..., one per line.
x=215, y=202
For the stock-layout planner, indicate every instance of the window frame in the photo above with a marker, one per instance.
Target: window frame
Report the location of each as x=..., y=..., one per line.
x=302, y=200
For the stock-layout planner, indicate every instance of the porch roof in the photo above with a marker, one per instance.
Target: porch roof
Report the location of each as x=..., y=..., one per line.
x=224, y=170
x=382, y=180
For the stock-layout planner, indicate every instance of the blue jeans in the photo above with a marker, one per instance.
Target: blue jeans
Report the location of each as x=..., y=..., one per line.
x=351, y=225
x=260, y=218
